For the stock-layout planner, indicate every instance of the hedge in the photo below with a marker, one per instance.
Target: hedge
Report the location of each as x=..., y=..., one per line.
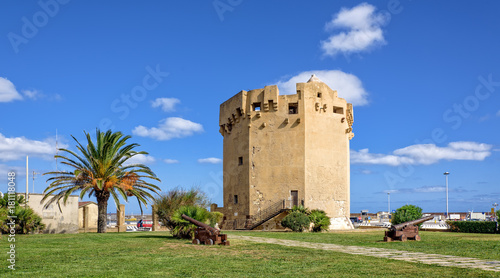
x=483, y=227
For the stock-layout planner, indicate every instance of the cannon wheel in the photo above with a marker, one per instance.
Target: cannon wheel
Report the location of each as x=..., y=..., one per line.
x=209, y=242
x=196, y=241
x=403, y=238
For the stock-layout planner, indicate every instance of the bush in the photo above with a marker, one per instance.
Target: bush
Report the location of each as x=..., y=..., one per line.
x=320, y=220
x=406, y=213
x=168, y=203
x=296, y=221
x=214, y=218
x=26, y=220
x=185, y=229
x=301, y=209
x=483, y=227
x=498, y=216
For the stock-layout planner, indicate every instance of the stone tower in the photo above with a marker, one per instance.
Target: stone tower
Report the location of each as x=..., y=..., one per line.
x=285, y=150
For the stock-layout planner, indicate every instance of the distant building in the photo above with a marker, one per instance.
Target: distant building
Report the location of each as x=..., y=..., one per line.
x=56, y=221
x=286, y=150
x=87, y=216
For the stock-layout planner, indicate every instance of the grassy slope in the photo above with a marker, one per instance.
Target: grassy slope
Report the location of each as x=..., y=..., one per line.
x=159, y=255
x=483, y=246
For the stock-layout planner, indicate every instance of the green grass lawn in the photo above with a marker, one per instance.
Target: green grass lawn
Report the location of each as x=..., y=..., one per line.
x=158, y=254
x=482, y=246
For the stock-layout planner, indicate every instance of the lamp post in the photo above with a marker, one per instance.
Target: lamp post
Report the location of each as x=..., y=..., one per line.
x=389, y=202
x=495, y=205
x=446, y=175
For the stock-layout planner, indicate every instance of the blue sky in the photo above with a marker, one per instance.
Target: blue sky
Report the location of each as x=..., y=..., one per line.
x=423, y=77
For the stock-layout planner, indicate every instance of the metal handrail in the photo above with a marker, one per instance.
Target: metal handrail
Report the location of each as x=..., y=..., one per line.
x=270, y=211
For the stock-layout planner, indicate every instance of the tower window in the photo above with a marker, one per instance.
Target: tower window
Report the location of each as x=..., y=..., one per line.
x=256, y=106
x=240, y=160
x=338, y=110
x=319, y=95
x=293, y=108
x=235, y=199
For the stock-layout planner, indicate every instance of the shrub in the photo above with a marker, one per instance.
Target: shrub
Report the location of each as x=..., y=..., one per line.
x=321, y=222
x=484, y=227
x=18, y=200
x=214, y=218
x=26, y=220
x=301, y=209
x=185, y=229
x=296, y=221
x=498, y=216
x=406, y=213
x=167, y=204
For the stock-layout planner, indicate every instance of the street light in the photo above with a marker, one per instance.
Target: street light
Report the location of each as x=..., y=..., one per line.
x=446, y=175
x=389, y=202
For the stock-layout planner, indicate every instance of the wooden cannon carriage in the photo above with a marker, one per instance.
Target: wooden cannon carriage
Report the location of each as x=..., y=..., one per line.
x=406, y=230
x=204, y=234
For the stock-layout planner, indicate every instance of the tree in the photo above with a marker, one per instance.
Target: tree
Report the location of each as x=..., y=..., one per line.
x=100, y=170
x=406, y=213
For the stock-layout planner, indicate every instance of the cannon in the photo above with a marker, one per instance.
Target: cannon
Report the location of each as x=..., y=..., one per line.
x=405, y=231
x=206, y=234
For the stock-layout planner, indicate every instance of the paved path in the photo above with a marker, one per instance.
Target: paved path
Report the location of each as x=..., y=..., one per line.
x=417, y=257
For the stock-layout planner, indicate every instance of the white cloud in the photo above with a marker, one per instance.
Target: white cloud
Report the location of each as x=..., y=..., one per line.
x=429, y=153
x=429, y=189
x=363, y=32
x=424, y=189
x=211, y=160
x=170, y=161
x=166, y=104
x=8, y=91
x=36, y=95
x=347, y=85
x=16, y=148
x=33, y=94
x=365, y=157
x=20, y=175
x=424, y=154
x=140, y=159
x=169, y=128
x=484, y=118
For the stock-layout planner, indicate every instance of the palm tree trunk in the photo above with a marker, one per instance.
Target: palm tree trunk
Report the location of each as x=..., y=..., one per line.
x=102, y=207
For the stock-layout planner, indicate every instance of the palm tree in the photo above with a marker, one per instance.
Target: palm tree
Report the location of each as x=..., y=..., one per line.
x=100, y=171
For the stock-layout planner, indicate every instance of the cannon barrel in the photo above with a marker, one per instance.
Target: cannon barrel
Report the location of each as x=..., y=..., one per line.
x=212, y=230
x=414, y=222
